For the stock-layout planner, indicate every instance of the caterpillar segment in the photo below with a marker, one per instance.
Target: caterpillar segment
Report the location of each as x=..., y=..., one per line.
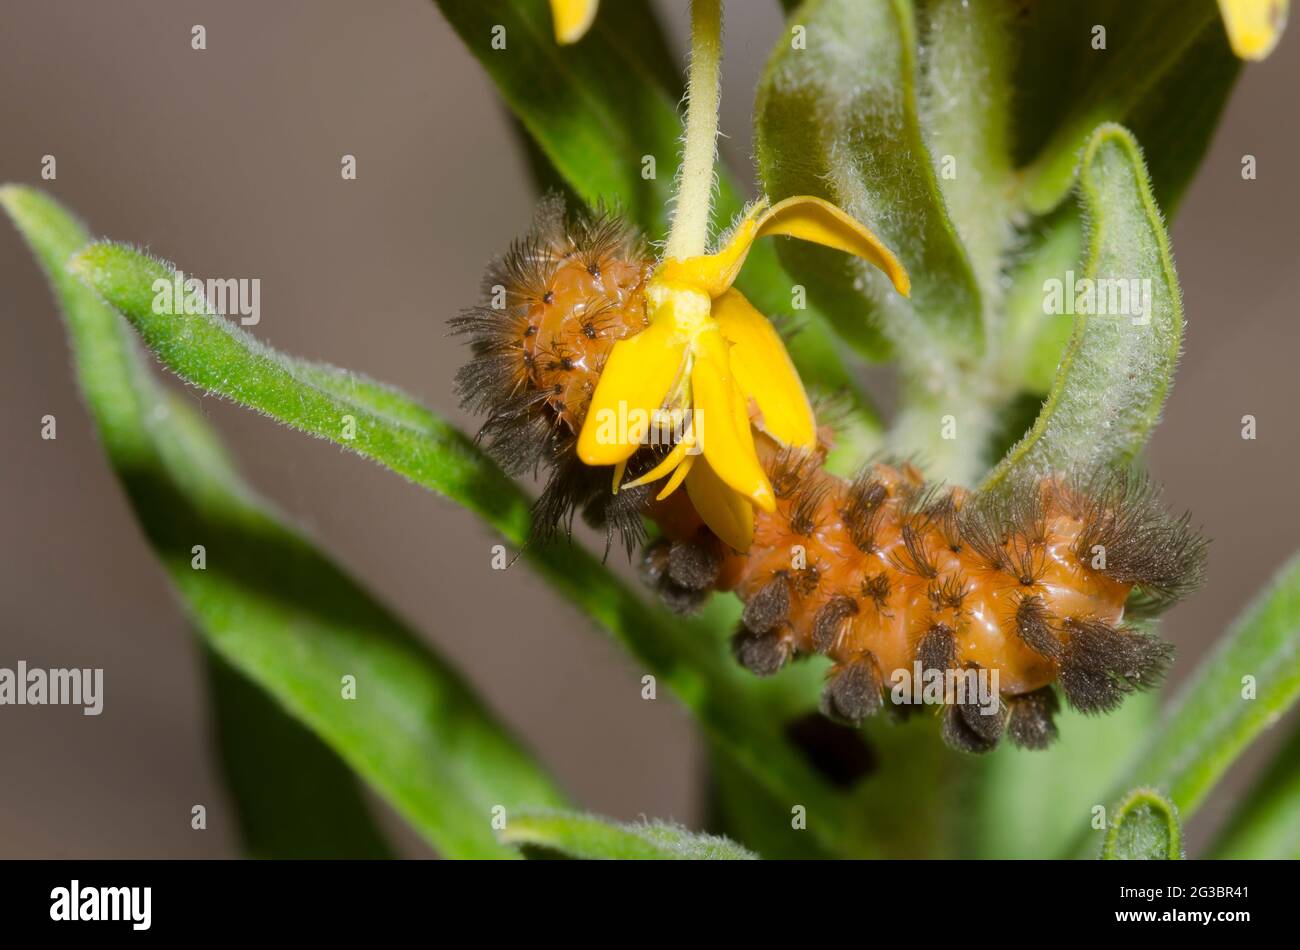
x=898, y=581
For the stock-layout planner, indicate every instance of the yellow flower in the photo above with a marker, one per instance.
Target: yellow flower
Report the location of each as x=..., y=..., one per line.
x=573, y=18
x=1253, y=26
x=706, y=354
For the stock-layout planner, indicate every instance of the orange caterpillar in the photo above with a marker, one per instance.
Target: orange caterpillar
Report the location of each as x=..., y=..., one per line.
x=557, y=301
x=1031, y=585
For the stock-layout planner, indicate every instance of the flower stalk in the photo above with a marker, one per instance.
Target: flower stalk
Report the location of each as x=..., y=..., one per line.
x=690, y=227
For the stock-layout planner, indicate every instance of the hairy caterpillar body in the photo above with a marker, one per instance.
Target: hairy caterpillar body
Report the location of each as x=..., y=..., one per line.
x=557, y=300
x=1034, y=586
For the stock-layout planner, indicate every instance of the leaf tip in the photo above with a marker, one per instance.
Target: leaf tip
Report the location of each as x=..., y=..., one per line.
x=90, y=262
x=13, y=198
x=1146, y=827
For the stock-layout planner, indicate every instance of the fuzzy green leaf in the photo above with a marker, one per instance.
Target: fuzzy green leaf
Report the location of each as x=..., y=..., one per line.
x=839, y=119
x=1117, y=369
x=267, y=603
x=839, y=115
x=592, y=838
x=388, y=427
x=1165, y=72
x=1267, y=824
x=965, y=100
x=1145, y=828
x=1243, y=687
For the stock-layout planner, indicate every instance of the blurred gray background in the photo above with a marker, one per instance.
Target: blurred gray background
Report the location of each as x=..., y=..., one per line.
x=227, y=162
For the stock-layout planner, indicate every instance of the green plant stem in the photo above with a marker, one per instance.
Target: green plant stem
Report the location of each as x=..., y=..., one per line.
x=690, y=230
x=1265, y=824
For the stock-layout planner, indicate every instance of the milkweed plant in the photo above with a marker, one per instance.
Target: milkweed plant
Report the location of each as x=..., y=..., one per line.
x=928, y=633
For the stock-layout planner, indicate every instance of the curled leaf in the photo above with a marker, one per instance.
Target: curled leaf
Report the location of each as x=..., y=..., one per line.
x=1118, y=367
x=1145, y=828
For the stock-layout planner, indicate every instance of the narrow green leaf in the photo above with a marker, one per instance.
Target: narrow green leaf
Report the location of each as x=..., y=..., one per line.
x=598, y=110
x=1177, y=117
x=1243, y=687
x=1145, y=828
x=387, y=427
x=593, y=838
x=839, y=120
x=294, y=797
x=369, y=418
x=595, y=110
x=1118, y=369
x=1267, y=824
x=543, y=174
x=1162, y=72
x=268, y=604
x=634, y=29
x=966, y=99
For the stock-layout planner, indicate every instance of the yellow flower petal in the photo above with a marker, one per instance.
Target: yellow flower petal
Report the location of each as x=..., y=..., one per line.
x=812, y=219
x=573, y=18
x=764, y=372
x=679, y=476
x=670, y=462
x=633, y=384
x=803, y=217
x=745, y=434
x=714, y=273
x=1253, y=26
x=727, y=514
x=722, y=422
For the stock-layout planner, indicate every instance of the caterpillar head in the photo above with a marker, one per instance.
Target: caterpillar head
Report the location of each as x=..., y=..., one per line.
x=553, y=306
